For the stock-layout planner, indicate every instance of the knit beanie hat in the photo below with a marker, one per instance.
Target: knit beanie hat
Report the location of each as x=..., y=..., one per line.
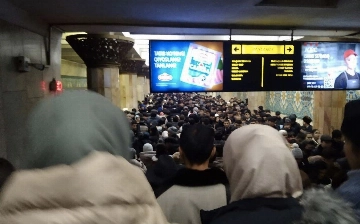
x=147, y=147
x=296, y=151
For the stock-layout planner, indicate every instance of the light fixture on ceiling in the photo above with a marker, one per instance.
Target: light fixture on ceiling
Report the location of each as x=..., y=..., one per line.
x=143, y=38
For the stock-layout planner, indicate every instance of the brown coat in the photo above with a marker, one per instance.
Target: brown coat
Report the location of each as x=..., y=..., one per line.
x=100, y=189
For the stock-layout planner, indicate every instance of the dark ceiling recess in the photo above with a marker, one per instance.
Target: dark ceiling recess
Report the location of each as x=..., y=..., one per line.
x=302, y=3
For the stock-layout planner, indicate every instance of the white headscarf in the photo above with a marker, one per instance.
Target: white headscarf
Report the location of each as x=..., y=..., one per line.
x=258, y=164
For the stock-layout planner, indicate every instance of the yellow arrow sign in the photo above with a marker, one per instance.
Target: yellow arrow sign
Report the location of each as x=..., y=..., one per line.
x=289, y=49
x=236, y=49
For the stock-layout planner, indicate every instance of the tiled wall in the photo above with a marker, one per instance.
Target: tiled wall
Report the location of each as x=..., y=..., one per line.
x=73, y=82
x=300, y=103
x=19, y=92
x=73, y=75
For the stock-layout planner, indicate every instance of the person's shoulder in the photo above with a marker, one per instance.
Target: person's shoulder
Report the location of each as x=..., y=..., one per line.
x=325, y=206
x=255, y=210
x=340, y=77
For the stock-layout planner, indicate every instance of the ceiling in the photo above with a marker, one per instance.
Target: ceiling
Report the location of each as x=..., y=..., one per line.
x=313, y=19
x=196, y=16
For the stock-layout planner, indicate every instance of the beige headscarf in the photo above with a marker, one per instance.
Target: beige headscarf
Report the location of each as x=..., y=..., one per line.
x=258, y=164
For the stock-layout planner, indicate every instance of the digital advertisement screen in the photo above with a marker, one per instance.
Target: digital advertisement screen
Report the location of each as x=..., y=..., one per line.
x=186, y=66
x=330, y=65
x=262, y=66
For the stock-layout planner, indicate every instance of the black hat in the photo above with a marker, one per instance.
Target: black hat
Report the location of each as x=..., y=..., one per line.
x=277, y=113
x=292, y=117
x=164, y=168
x=272, y=119
x=326, y=138
x=307, y=119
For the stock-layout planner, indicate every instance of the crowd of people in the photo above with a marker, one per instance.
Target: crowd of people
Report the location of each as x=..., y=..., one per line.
x=180, y=158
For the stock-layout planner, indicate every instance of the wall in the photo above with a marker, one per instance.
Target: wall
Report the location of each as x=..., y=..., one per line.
x=19, y=92
x=288, y=102
x=255, y=98
x=73, y=75
x=329, y=110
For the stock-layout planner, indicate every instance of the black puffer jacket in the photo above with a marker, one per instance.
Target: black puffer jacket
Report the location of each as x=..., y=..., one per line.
x=253, y=211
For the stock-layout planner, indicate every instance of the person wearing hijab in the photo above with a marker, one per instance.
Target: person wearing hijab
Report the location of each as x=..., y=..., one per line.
x=264, y=179
x=76, y=168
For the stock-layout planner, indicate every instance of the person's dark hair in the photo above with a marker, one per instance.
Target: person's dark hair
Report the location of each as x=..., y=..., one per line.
x=154, y=131
x=153, y=114
x=309, y=142
x=307, y=119
x=180, y=123
x=329, y=153
x=260, y=120
x=166, y=111
x=175, y=119
x=291, y=134
x=336, y=134
x=238, y=122
x=195, y=117
x=182, y=117
x=197, y=142
x=161, y=121
x=168, y=125
x=262, y=114
x=133, y=122
x=6, y=169
x=161, y=149
x=291, y=141
x=191, y=121
x=206, y=121
x=218, y=135
x=172, y=145
x=301, y=136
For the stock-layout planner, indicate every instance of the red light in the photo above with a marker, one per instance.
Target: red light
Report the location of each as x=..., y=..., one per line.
x=59, y=86
x=42, y=84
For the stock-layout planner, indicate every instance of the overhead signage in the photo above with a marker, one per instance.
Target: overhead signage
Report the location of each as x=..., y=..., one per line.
x=254, y=66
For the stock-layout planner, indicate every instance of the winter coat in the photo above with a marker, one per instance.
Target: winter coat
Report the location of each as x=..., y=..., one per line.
x=182, y=198
x=99, y=189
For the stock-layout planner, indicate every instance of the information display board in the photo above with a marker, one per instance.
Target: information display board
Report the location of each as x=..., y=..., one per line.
x=186, y=66
x=238, y=66
x=262, y=66
x=330, y=65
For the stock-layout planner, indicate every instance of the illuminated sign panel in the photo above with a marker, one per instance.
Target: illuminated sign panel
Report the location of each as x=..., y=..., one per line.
x=330, y=65
x=265, y=66
x=238, y=66
x=186, y=66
